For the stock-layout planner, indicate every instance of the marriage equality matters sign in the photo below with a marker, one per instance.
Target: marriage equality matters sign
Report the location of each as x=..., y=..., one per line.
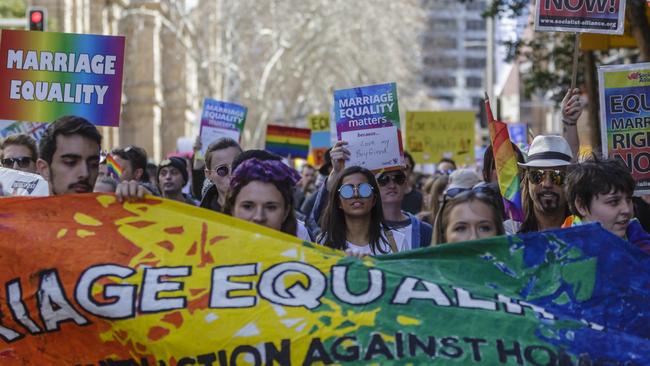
x=220, y=119
x=320, y=136
x=45, y=75
x=625, y=118
x=431, y=136
x=590, y=16
x=368, y=119
x=163, y=283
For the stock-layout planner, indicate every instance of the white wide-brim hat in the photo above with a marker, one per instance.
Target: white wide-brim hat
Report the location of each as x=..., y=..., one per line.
x=548, y=151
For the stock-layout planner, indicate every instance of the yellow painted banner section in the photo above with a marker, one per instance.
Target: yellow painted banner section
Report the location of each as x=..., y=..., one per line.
x=430, y=136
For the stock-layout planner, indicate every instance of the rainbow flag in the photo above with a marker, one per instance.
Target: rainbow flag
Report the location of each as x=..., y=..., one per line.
x=288, y=141
x=113, y=167
x=505, y=162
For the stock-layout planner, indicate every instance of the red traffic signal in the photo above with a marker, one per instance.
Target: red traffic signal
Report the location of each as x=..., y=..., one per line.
x=36, y=19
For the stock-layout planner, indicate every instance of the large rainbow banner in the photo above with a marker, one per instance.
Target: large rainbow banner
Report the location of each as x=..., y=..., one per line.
x=45, y=75
x=163, y=283
x=625, y=118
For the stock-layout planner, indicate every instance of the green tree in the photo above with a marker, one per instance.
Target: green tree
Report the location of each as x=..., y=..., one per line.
x=12, y=8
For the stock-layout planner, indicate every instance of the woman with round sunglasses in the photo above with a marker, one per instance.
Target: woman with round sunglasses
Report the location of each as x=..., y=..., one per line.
x=353, y=219
x=261, y=192
x=468, y=214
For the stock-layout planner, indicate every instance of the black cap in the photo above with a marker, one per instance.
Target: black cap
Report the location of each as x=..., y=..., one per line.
x=176, y=162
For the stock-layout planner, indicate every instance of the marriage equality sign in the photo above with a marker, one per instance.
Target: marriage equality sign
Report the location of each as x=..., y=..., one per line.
x=368, y=119
x=431, y=136
x=45, y=75
x=589, y=16
x=625, y=118
x=162, y=283
x=220, y=119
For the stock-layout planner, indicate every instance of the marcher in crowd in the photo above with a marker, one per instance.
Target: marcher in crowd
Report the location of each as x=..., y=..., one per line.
x=468, y=214
x=412, y=202
x=260, y=192
x=353, y=219
x=19, y=152
x=172, y=177
x=544, y=202
x=133, y=160
x=69, y=155
x=600, y=190
x=218, y=169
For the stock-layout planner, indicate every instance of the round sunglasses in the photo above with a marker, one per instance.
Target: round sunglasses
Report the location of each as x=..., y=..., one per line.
x=538, y=176
x=222, y=170
x=363, y=190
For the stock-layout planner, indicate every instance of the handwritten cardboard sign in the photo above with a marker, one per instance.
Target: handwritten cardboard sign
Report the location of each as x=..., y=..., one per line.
x=368, y=119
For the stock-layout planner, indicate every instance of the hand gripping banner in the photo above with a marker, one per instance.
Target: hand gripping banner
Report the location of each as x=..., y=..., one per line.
x=89, y=281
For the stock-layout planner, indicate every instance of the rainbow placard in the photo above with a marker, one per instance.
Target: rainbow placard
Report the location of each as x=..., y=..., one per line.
x=45, y=75
x=625, y=118
x=288, y=141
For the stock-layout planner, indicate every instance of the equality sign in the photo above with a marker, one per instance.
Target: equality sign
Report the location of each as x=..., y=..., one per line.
x=163, y=283
x=18, y=183
x=320, y=136
x=625, y=118
x=368, y=119
x=431, y=136
x=45, y=75
x=291, y=142
x=220, y=119
x=590, y=16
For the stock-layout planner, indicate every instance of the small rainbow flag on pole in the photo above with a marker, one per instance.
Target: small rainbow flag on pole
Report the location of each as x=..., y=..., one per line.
x=113, y=167
x=288, y=141
x=505, y=162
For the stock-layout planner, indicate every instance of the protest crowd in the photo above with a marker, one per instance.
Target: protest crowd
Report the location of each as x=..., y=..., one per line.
x=351, y=208
x=365, y=236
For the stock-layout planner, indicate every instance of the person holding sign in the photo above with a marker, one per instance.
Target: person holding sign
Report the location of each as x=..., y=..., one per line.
x=353, y=219
x=600, y=190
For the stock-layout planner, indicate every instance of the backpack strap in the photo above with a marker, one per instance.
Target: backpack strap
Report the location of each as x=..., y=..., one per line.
x=391, y=240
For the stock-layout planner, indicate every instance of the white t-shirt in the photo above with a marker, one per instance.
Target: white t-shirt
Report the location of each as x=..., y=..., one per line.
x=301, y=231
x=401, y=242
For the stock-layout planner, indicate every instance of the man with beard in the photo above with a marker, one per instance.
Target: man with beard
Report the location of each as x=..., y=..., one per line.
x=69, y=155
x=544, y=202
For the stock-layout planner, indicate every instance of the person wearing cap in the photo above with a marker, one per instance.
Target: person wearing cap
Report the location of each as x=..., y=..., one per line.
x=543, y=198
x=172, y=177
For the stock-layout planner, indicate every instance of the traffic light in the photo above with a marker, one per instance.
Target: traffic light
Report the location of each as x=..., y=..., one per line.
x=36, y=18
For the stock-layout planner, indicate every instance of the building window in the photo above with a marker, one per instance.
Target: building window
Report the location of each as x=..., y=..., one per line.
x=440, y=81
x=440, y=43
x=474, y=25
x=442, y=24
x=474, y=63
x=437, y=62
x=474, y=82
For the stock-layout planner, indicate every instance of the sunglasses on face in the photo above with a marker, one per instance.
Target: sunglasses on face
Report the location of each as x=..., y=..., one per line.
x=222, y=170
x=444, y=172
x=22, y=161
x=481, y=189
x=538, y=176
x=363, y=190
x=398, y=178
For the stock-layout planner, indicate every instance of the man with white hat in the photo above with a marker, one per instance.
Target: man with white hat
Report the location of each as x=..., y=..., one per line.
x=544, y=203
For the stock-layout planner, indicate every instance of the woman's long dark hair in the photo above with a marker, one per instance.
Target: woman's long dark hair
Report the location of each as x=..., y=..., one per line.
x=334, y=228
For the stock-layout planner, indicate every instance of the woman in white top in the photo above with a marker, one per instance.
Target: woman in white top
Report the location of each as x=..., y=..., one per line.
x=353, y=219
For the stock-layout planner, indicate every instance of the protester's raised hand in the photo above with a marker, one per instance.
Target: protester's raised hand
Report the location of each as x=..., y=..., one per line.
x=571, y=107
x=130, y=191
x=339, y=154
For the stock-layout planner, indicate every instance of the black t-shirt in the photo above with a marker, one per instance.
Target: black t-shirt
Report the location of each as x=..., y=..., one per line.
x=412, y=202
